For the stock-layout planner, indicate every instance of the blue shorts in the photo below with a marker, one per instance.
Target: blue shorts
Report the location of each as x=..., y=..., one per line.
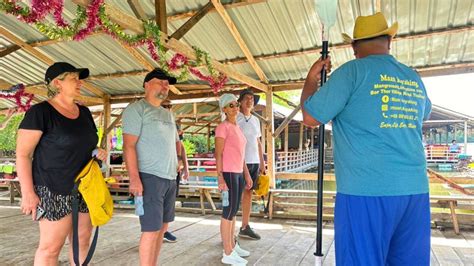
x=388, y=230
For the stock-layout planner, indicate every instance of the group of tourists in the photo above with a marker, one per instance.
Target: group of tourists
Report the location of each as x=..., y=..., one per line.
x=382, y=211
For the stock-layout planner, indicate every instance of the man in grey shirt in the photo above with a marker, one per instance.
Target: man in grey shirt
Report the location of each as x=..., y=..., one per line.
x=152, y=161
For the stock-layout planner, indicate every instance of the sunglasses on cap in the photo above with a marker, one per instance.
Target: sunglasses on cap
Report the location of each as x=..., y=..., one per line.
x=232, y=105
x=167, y=106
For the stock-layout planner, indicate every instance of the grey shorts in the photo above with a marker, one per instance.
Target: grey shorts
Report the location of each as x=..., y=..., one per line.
x=159, y=196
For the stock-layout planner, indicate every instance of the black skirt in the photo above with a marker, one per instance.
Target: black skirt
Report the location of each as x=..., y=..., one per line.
x=57, y=206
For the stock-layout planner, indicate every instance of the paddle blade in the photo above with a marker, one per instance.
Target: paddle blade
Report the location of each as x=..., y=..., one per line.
x=327, y=12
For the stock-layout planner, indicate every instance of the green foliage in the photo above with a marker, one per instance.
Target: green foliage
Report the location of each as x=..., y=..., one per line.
x=200, y=143
x=292, y=96
x=9, y=133
x=189, y=147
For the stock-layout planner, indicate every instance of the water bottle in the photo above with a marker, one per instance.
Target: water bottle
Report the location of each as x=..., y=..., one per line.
x=139, y=206
x=225, y=198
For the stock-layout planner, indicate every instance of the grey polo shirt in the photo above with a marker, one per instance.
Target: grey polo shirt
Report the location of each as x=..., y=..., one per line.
x=157, y=137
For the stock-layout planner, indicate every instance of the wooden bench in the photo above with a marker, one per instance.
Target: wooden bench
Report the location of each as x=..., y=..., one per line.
x=203, y=189
x=13, y=187
x=305, y=200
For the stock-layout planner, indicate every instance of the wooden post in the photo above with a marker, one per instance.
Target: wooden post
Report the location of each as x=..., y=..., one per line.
x=300, y=148
x=263, y=131
x=452, y=207
x=312, y=139
x=107, y=119
x=160, y=15
x=286, y=147
x=269, y=136
x=208, y=137
x=465, y=137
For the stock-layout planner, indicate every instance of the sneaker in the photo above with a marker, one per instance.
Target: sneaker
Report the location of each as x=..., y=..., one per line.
x=248, y=233
x=233, y=259
x=169, y=237
x=240, y=251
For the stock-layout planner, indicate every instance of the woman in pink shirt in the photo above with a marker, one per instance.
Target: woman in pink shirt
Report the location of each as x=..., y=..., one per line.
x=231, y=169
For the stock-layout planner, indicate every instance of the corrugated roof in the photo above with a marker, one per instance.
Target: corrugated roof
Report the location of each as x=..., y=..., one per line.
x=268, y=28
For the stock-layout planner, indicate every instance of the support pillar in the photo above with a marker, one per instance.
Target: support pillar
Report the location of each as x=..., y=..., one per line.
x=269, y=136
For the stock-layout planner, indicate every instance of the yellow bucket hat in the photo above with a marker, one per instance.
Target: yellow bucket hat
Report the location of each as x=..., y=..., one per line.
x=367, y=27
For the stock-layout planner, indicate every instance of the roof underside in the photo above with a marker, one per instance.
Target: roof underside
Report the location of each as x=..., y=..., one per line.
x=283, y=36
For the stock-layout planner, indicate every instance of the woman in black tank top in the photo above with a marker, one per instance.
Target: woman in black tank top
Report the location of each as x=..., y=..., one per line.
x=55, y=141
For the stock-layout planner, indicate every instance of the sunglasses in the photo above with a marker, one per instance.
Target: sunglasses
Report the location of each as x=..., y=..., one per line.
x=167, y=106
x=232, y=105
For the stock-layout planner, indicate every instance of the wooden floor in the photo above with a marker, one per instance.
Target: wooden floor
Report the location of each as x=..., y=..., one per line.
x=284, y=242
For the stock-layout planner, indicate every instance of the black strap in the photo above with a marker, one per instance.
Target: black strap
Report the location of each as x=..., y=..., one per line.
x=75, y=228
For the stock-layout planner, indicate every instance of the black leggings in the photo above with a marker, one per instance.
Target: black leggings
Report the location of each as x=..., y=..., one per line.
x=235, y=183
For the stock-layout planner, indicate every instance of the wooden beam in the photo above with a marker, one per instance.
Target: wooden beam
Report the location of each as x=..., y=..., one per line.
x=317, y=50
x=135, y=25
x=9, y=50
x=41, y=56
x=238, y=38
x=232, y=4
x=446, y=69
x=179, y=33
x=189, y=52
x=286, y=121
x=137, y=9
x=160, y=15
x=197, y=115
x=285, y=100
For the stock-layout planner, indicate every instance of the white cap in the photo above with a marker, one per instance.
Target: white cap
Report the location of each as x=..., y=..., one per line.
x=225, y=99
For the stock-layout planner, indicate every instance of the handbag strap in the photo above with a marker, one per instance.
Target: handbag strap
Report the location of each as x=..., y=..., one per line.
x=75, y=229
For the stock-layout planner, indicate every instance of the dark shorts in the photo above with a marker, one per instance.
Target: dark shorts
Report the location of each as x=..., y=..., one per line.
x=387, y=230
x=254, y=170
x=235, y=183
x=159, y=196
x=57, y=206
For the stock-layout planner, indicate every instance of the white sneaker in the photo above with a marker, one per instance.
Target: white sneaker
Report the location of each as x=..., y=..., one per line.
x=233, y=259
x=240, y=251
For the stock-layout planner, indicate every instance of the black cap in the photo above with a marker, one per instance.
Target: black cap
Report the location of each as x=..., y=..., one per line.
x=59, y=68
x=256, y=98
x=159, y=74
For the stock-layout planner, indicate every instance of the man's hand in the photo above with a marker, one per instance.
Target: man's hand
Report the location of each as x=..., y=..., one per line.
x=136, y=187
x=248, y=182
x=262, y=169
x=315, y=71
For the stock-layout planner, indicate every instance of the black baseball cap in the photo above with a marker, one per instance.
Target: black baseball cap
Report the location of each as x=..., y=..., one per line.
x=159, y=74
x=59, y=68
x=256, y=98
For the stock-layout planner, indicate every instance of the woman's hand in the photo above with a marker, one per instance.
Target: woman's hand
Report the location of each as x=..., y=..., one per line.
x=29, y=202
x=221, y=183
x=101, y=154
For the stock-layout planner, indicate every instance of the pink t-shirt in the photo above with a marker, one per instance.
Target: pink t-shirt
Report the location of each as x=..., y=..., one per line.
x=234, y=147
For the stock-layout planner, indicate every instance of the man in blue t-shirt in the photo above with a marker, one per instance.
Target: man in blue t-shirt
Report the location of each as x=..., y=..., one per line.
x=377, y=106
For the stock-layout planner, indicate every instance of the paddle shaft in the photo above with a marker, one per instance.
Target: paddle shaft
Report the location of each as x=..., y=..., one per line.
x=319, y=207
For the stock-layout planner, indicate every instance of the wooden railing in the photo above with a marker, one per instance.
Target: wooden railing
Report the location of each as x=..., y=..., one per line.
x=296, y=161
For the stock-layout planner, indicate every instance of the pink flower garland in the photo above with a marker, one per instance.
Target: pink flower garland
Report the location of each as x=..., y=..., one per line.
x=19, y=92
x=40, y=8
x=177, y=61
x=92, y=20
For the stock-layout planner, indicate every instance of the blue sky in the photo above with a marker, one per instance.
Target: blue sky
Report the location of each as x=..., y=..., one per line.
x=455, y=92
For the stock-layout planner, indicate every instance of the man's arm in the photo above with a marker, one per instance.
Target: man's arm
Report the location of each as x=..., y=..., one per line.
x=310, y=86
x=185, y=173
x=260, y=156
x=131, y=161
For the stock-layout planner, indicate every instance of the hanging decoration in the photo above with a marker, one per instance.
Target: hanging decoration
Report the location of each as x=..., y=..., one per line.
x=17, y=92
x=93, y=19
